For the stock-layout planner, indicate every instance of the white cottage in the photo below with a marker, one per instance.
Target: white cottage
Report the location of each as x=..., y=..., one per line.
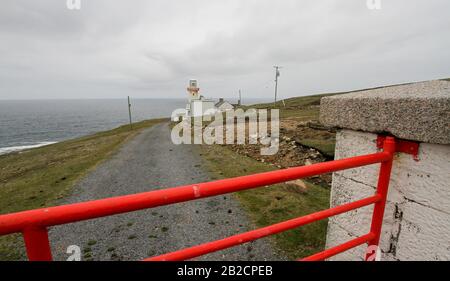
x=223, y=105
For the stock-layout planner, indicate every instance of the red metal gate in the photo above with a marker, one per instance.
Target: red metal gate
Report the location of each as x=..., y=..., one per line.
x=33, y=224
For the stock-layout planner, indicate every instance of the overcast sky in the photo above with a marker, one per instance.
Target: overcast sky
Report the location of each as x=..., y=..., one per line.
x=148, y=48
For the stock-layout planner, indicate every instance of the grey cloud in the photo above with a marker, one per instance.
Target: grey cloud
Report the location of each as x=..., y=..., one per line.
x=150, y=48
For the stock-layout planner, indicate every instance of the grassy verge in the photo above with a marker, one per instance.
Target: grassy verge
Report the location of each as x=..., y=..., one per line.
x=325, y=146
x=38, y=177
x=300, y=108
x=268, y=205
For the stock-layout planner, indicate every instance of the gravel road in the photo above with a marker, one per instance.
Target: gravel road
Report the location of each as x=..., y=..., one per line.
x=149, y=162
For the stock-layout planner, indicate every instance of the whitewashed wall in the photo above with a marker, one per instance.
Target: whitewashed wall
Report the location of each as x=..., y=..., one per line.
x=417, y=218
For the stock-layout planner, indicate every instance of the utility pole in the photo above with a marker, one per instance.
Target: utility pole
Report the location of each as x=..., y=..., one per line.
x=129, y=112
x=240, y=98
x=277, y=74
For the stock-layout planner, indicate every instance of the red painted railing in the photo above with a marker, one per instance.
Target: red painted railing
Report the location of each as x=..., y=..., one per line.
x=33, y=224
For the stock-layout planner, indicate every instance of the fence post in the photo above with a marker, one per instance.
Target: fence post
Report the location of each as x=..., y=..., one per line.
x=382, y=191
x=37, y=244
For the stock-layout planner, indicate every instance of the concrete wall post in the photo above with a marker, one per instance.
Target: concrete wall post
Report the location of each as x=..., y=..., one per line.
x=416, y=223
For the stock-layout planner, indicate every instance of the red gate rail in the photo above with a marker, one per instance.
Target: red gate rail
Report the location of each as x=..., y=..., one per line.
x=33, y=224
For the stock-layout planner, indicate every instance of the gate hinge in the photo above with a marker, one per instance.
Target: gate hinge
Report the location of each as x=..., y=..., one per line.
x=404, y=146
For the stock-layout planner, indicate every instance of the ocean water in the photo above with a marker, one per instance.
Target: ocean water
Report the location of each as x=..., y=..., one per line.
x=33, y=123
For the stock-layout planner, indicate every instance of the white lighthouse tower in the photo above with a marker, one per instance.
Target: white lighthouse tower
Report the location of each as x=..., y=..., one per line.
x=197, y=105
x=193, y=90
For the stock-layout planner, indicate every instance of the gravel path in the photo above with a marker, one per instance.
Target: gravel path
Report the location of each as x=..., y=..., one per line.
x=148, y=162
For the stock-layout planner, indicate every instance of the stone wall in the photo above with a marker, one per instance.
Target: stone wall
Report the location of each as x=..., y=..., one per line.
x=416, y=223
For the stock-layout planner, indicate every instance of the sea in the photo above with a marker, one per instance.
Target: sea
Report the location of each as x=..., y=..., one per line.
x=33, y=123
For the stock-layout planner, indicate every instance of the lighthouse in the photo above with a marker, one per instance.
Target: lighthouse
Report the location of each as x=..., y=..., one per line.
x=193, y=90
x=197, y=104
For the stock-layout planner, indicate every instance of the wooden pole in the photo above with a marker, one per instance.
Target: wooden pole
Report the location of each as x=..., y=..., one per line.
x=277, y=74
x=240, y=98
x=129, y=113
x=276, y=83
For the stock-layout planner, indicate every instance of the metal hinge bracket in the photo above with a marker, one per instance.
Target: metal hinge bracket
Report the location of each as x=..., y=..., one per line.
x=404, y=146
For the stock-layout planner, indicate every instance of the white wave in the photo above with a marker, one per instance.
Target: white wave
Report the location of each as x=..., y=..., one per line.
x=5, y=150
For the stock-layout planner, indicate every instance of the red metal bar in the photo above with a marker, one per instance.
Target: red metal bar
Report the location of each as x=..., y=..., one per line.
x=17, y=222
x=382, y=190
x=231, y=241
x=405, y=146
x=340, y=248
x=37, y=244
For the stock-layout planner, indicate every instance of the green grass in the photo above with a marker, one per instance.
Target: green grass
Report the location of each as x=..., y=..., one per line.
x=325, y=146
x=39, y=177
x=269, y=205
x=302, y=108
x=92, y=242
x=296, y=102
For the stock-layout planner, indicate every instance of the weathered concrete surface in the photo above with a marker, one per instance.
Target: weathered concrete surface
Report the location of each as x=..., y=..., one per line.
x=417, y=111
x=416, y=223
